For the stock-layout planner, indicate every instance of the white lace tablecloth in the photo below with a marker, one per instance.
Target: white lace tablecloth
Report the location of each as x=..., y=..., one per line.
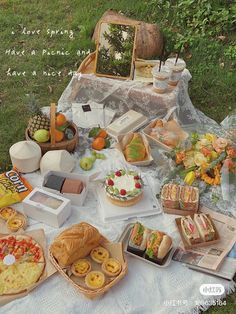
x=145, y=289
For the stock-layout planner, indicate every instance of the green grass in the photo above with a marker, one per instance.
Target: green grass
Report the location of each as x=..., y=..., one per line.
x=212, y=88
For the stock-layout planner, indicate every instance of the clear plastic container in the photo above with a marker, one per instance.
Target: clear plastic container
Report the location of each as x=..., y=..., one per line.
x=160, y=79
x=175, y=70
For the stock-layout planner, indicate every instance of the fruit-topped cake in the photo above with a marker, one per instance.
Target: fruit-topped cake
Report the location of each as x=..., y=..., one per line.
x=124, y=187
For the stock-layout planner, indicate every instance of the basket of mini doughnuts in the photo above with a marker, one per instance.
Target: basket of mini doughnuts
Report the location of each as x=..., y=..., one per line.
x=85, y=258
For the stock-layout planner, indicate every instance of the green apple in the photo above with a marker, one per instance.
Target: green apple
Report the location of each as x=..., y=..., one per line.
x=93, y=158
x=41, y=135
x=86, y=163
x=100, y=156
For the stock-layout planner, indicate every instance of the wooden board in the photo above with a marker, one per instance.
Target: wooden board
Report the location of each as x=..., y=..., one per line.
x=201, y=244
x=179, y=212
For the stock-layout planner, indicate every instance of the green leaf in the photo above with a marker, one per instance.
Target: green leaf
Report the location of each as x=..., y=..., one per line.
x=94, y=132
x=149, y=252
x=194, y=138
x=214, y=163
x=107, y=143
x=63, y=127
x=185, y=171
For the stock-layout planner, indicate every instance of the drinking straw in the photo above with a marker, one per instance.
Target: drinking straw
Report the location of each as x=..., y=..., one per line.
x=162, y=54
x=178, y=53
x=159, y=65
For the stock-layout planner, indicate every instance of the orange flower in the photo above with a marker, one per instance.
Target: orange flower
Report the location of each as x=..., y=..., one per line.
x=179, y=157
x=212, y=180
x=231, y=152
x=220, y=144
x=206, y=152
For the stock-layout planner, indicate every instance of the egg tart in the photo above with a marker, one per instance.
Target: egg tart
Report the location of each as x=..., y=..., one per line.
x=16, y=222
x=95, y=279
x=81, y=267
x=111, y=267
x=99, y=254
x=7, y=212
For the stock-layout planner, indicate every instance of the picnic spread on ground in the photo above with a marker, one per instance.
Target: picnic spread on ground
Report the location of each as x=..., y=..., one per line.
x=118, y=188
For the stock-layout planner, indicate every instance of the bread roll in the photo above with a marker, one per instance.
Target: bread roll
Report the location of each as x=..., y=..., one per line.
x=74, y=243
x=164, y=246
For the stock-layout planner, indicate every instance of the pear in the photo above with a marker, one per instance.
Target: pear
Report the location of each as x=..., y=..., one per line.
x=86, y=163
x=41, y=136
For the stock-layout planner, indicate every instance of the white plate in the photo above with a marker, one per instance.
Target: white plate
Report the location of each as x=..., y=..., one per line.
x=148, y=205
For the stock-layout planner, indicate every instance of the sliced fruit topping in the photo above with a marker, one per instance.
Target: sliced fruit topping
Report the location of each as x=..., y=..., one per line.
x=138, y=185
x=118, y=173
x=110, y=182
x=136, y=177
x=122, y=192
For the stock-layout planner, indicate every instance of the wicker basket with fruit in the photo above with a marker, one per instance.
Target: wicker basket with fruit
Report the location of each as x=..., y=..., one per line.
x=51, y=134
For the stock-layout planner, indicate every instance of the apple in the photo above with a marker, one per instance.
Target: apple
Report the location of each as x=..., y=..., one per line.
x=41, y=135
x=93, y=158
x=86, y=163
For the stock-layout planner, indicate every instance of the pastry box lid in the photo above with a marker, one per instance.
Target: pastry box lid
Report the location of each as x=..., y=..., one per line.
x=130, y=121
x=46, y=200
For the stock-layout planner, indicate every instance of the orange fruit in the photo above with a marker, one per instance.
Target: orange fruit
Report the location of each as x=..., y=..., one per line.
x=98, y=143
x=60, y=119
x=102, y=133
x=59, y=136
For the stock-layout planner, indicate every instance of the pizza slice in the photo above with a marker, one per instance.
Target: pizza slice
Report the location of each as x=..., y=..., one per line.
x=30, y=271
x=11, y=281
x=24, y=248
x=26, y=263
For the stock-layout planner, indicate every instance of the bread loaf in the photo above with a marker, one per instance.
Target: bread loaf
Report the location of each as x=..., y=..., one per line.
x=74, y=243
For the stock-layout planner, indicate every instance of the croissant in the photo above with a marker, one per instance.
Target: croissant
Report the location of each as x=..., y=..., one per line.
x=135, y=150
x=74, y=243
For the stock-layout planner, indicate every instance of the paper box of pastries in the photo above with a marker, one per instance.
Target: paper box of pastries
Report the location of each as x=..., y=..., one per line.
x=197, y=230
x=24, y=264
x=135, y=149
x=68, y=185
x=128, y=122
x=167, y=134
x=12, y=220
x=50, y=208
x=179, y=200
x=87, y=260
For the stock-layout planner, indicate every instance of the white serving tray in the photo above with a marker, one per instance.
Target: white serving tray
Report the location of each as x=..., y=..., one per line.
x=148, y=205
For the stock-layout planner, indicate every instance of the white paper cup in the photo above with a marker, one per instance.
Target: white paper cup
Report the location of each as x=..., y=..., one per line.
x=160, y=79
x=176, y=70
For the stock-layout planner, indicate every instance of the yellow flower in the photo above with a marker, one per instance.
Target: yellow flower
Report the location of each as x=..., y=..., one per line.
x=190, y=177
x=210, y=137
x=214, y=155
x=199, y=159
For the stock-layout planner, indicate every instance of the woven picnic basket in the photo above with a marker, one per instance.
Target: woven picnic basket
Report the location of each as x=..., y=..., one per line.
x=91, y=294
x=88, y=64
x=68, y=145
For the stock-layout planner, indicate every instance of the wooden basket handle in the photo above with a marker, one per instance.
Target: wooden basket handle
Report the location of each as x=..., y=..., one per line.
x=53, y=123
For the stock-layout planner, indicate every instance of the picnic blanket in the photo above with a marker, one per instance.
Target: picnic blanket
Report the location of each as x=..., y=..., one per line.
x=145, y=289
